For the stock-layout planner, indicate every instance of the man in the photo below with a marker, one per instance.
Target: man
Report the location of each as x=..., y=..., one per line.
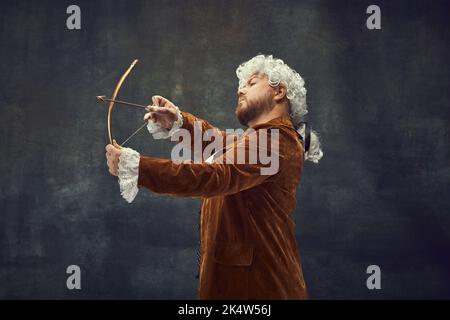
x=248, y=243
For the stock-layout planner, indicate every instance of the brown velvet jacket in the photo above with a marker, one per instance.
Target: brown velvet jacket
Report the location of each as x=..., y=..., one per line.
x=248, y=244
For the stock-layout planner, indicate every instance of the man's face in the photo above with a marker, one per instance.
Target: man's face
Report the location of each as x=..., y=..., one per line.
x=255, y=98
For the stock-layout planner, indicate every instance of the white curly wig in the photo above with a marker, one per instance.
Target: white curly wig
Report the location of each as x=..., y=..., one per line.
x=280, y=73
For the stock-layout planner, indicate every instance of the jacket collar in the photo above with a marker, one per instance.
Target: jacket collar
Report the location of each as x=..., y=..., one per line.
x=275, y=122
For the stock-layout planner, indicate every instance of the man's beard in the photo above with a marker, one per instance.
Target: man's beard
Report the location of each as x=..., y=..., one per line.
x=252, y=109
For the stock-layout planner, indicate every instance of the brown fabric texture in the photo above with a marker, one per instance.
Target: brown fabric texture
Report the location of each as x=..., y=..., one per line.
x=247, y=232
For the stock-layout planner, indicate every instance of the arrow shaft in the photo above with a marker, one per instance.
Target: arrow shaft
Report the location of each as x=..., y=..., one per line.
x=124, y=103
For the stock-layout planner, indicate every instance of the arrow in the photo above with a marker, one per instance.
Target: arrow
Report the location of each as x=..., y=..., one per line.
x=105, y=99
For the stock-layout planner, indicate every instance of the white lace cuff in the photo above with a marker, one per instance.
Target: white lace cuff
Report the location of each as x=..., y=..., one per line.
x=159, y=132
x=129, y=173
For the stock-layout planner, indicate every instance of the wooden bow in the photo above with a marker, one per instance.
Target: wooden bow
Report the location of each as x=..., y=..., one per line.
x=113, y=98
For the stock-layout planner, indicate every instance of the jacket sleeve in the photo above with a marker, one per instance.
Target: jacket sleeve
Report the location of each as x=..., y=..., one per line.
x=205, y=179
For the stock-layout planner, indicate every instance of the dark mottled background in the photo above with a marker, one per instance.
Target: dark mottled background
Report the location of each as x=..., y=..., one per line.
x=379, y=99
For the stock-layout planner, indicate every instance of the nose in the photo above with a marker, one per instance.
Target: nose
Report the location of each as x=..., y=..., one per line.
x=241, y=92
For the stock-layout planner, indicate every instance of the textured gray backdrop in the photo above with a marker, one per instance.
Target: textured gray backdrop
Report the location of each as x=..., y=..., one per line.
x=379, y=99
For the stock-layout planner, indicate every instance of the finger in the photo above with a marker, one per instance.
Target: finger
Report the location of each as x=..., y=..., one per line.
x=156, y=100
x=113, y=148
x=162, y=110
x=151, y=108
x=150, y=116
x=115, y=155
x=111, y=161
x=157, y=109
x=160, y=101
x=116, y=144
x=113, y=166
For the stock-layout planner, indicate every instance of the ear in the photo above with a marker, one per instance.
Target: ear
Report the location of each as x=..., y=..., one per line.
x=280, y=93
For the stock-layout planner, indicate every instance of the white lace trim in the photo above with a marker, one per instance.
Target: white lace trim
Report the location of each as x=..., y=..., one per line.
x=129, y=173
x=159, y=132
